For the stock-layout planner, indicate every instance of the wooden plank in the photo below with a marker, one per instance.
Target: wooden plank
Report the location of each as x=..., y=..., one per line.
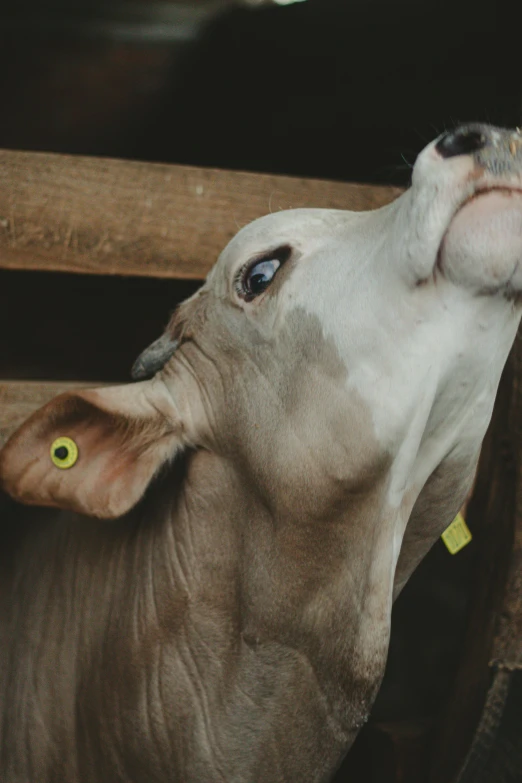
x=18, y=399
x=115, y=217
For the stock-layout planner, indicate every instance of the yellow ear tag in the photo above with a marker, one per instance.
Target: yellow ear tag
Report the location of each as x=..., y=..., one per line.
x=457, y=535
x=64, y=453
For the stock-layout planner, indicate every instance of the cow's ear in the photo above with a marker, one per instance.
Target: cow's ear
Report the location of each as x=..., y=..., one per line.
x=92, y=451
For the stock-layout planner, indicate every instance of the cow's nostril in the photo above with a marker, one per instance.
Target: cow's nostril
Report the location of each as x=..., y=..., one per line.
x=462, y=141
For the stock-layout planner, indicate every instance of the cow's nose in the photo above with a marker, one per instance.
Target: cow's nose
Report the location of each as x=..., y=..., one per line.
x=461, y=141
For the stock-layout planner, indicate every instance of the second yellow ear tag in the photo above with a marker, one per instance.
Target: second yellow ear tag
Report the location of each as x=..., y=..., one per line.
x=64, y=453
x=457, y=535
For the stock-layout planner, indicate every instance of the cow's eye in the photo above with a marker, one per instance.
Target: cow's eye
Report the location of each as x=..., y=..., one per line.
x=257, y=276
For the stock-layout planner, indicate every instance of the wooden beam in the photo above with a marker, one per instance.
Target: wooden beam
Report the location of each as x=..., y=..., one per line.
x=102, y=216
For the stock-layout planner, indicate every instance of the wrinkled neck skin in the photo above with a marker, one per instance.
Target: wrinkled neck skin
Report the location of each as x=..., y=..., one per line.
x=200, y=638
x=234, y=627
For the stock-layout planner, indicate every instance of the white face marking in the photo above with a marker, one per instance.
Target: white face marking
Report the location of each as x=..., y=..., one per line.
x=423, y=346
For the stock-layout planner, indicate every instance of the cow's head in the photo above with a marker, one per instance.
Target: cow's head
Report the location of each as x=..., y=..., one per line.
x=328, y=354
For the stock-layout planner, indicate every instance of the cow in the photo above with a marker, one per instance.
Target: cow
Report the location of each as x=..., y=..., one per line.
x=202, y=590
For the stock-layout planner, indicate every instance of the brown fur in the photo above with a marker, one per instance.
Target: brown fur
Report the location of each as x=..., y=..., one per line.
x=188, y=318
x=231, y=623
x=216, y=597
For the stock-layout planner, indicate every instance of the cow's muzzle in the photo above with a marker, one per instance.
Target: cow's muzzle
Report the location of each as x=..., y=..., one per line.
x=497, y=151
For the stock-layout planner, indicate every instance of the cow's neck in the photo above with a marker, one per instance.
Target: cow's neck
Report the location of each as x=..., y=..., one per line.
x=267, y=634
x=301, y=607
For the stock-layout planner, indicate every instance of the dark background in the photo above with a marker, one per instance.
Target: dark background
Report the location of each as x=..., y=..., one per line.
x=345, y=89
x=342, y=89
x=322, y=88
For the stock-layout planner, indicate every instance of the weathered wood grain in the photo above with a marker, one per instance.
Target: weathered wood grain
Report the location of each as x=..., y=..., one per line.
x=103, y=216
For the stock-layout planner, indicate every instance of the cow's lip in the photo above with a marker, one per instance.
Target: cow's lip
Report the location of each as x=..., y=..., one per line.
x=481, y=190
x=484, y=190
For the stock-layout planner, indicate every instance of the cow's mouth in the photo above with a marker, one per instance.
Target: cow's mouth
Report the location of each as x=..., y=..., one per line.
x=482, y=247
x=485, y=190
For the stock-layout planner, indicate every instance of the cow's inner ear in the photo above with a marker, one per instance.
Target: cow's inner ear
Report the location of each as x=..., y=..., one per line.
x=121, y=435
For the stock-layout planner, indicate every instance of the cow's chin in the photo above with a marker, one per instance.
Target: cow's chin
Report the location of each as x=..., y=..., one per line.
x=482, y=248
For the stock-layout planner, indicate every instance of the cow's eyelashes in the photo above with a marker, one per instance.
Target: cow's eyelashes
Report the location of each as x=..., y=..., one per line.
x=256, y=276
